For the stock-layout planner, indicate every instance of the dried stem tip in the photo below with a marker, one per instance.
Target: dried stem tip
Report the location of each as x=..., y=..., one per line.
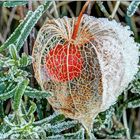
x=76, y=27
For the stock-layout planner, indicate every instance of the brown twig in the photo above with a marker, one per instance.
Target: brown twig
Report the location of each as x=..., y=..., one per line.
x=70, y=11
x=9, y=23
x=59, y=5
x=1, y=38
x=8, y=107
x=115, y=8
x=0, y=17
x=78, y=7
x=55, y=9
x=90, y=7
x=30, y=44
x=30, y=5
x=125, y=117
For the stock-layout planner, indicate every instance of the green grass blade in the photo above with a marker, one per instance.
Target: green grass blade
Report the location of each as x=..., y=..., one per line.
x=23, y=30
x=133, y=7
x=13, y=38
x=19, y=93
x=14, y=3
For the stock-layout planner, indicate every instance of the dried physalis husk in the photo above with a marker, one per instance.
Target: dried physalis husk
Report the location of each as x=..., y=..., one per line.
x=85, y=75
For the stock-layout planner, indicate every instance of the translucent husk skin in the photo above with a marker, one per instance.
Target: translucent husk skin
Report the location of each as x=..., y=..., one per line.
x=110, y=62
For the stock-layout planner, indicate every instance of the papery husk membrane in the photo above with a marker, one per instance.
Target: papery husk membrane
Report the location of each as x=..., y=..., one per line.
x=105, y=67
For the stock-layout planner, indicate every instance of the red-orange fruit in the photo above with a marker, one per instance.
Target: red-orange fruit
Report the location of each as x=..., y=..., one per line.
x=64, y=62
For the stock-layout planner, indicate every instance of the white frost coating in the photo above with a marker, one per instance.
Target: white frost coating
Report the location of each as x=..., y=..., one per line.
x=110, y=62
x=121, y=65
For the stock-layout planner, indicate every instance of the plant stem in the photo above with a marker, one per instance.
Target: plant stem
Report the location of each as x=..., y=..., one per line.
x=55, y=10
x=102, y=8
x=125, y=118
x=76, y=27
x=78, y=7
x=115, y=9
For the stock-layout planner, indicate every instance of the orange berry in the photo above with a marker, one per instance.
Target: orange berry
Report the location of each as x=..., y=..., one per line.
x=64, y=62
